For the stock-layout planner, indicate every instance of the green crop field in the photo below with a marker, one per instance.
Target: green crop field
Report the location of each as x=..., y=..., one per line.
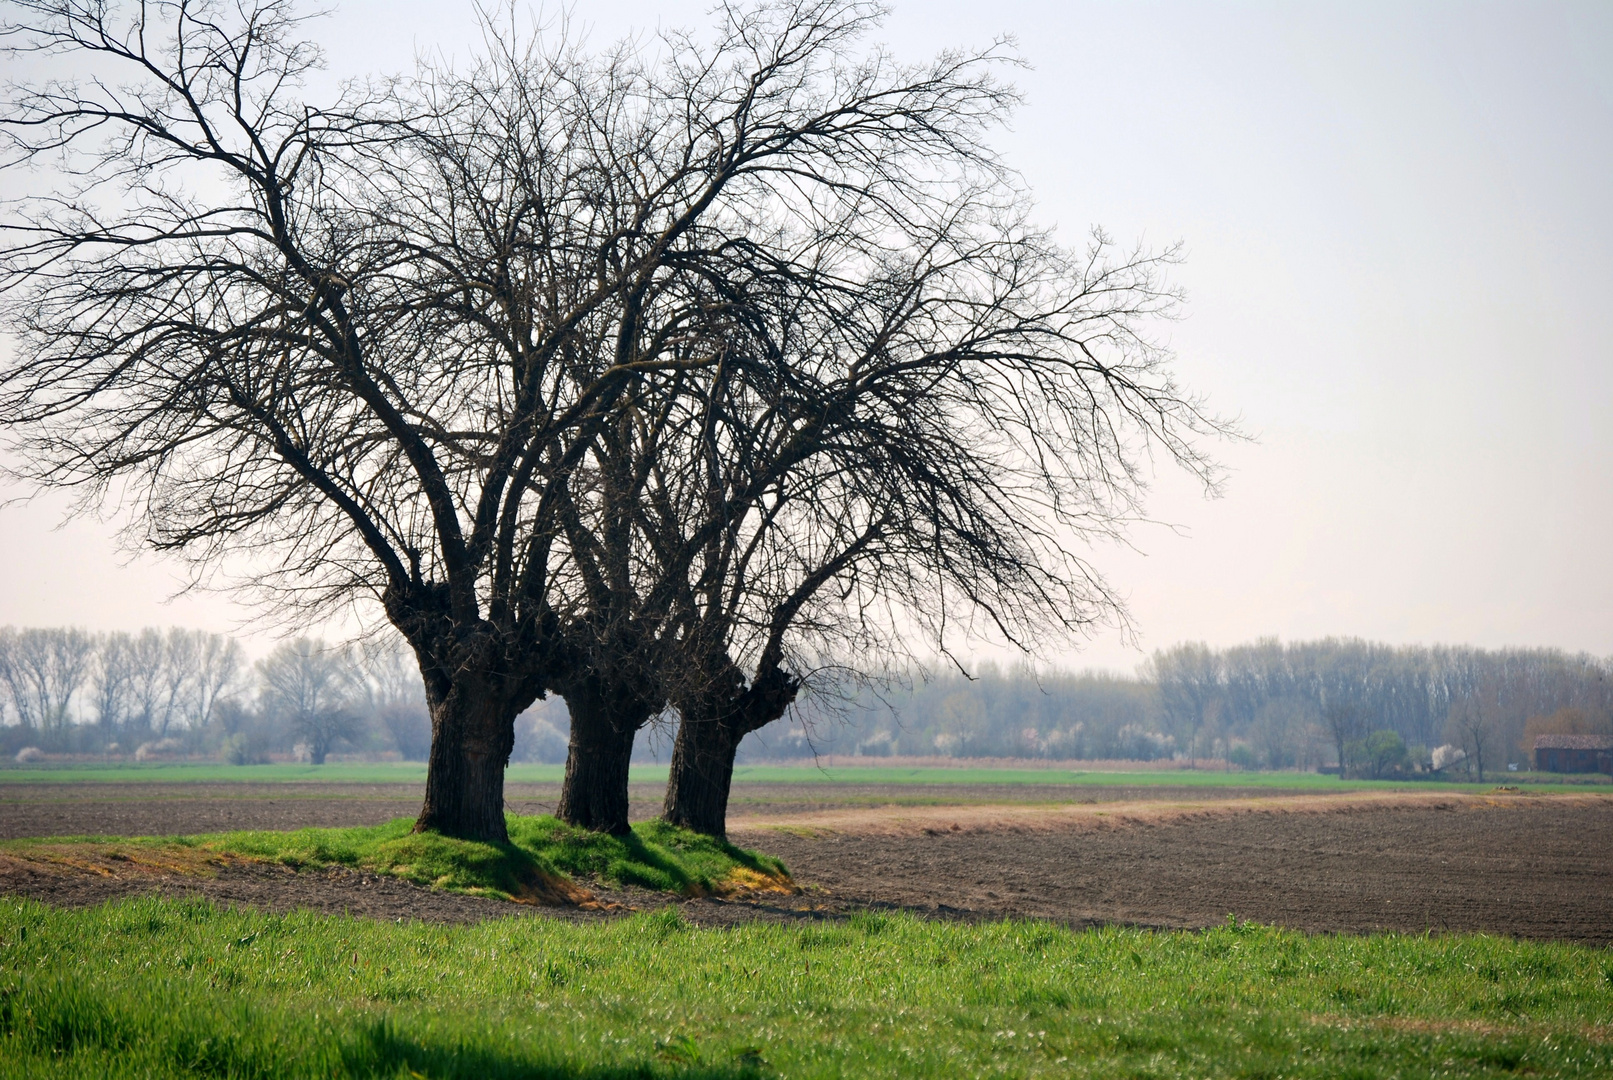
x=161, y=988
x=1277, y=781
x=121, y=772
x=869, y=775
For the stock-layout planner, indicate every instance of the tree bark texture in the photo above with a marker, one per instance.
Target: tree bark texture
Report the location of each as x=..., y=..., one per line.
x=702, y=774
x=594, y=793
x=709, y=735
x=472, y=735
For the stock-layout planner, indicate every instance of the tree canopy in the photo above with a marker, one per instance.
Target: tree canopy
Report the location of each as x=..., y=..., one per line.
x=650, y=379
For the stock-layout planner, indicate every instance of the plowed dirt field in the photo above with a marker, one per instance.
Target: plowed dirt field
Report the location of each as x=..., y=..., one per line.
x=1531, y=866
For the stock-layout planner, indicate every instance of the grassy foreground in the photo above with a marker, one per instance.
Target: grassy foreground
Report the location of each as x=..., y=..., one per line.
x=538, y=863
x=157, y=988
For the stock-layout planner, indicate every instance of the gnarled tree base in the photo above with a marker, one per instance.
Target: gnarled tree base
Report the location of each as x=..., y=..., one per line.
x=702, y=776
x=470, y=748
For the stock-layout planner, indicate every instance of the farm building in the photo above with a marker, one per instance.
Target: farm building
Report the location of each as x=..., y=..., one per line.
x=1574, y=753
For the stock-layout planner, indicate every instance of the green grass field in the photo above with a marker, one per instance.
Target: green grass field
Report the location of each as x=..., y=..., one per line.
x=154, y=988
x=415, y=773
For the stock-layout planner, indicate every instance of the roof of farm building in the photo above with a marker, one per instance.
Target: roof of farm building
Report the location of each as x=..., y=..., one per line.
x=1574, y=742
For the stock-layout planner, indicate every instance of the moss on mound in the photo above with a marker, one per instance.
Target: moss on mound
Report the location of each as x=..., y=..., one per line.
x=538, y=864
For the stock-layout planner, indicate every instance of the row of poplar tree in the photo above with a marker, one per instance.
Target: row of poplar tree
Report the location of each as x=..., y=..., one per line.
x=1372, y=708
x=1266, y=705
x=186, y=693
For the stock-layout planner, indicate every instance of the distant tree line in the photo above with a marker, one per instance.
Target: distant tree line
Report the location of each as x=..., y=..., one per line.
x=1376, y=709
x=1380, y=710
x=996, y=713
x=176, y=693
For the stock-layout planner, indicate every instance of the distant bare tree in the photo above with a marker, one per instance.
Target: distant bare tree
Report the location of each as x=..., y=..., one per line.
x=309, y=686
x=180, y=676
x=1189, y=680
x=1475, y=725
x=145, y=656
x=111, y=683
x=390, y=682
x=43, y=669
x=1343, y=722
x=1277, y=730
x=219, y=661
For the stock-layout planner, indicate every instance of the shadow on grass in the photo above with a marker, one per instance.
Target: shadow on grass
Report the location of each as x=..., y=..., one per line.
x=385, y=1051
x=61, y=1028
x=654, y=855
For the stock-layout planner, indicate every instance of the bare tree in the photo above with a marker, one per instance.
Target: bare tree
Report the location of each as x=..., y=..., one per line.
x=180, y=676
x=111, y=685
x=310, y=686
x=144, y=656
x=1475, y=724
x=43, y=669
x=382, y=356
x=391, y=686
x=1277, y=729
x=218, y=665
x=911, y=439
x=1343, y=722
x=1190, y=684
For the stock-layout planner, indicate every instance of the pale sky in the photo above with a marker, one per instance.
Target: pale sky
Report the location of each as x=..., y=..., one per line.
x=1399, y=239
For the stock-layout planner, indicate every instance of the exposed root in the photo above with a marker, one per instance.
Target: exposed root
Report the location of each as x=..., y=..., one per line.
x=551, y=890
x=744, y=880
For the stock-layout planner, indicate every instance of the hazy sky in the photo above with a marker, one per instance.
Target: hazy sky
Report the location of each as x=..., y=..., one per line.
x=1399, y=239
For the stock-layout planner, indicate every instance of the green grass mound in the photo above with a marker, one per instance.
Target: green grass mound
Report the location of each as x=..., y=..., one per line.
x=654, y=855
x=536, y=866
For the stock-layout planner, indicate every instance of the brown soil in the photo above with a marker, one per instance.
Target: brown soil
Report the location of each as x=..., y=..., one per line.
x=1532, y=867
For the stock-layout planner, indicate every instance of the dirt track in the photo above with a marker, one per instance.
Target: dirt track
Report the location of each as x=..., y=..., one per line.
x=1533, y=867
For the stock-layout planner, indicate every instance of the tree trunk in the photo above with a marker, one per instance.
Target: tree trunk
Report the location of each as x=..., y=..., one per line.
x=594, y=793
x=709, y=735
x=472, y=735
x=702, y=775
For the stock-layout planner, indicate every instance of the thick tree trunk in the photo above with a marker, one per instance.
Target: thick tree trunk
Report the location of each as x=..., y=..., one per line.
x=594, y=792
x=472, y=735
x=702, y=775
x=709, y=735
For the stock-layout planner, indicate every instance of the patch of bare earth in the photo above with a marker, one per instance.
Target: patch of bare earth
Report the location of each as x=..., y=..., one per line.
x=1525, y=866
